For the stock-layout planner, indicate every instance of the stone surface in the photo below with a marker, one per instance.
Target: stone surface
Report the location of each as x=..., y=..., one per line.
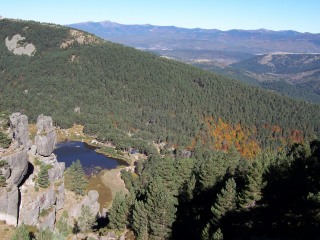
x=18, y=46
x=56, y=172
x=18, y=164
x=60, y=197
x=47, y=221
x=37, y=206
x=44, y=123
x=91, y=200
x=19, y=129
x=9, y=200
x=46, y=143
x=47, y=199
x=33, y=150
x=46, y=136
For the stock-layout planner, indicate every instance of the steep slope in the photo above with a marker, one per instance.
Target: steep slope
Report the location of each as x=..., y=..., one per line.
x=124, y=95
x=216, y=50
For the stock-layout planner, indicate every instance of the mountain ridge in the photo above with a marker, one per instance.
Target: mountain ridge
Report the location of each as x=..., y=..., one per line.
x=128, y=96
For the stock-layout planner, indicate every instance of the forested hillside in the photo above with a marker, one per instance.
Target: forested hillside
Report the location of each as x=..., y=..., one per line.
x=119, y=90
x=252, y=168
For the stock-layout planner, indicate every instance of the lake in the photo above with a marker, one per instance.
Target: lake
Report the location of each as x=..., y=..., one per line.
x=92, y=162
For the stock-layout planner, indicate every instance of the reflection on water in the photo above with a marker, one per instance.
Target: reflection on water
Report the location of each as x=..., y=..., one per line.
x=92, y=162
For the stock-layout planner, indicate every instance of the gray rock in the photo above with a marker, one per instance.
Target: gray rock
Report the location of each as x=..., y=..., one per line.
x=9, y=200
x=91, y=200
x=47, y=221
x=29, y=210
x=18, y=164
x=44, y=123
x=47, y=199
x=20, y=129
x=52, y=160
x=56, y=172
x=46, y=143
x=33, y=150
x=60, y=197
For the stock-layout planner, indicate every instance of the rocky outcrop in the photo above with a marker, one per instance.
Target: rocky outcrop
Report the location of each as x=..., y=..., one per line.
x=9, y=200
x=91, y=200
x=46, y=136
x=18, y=166
x=18, y=46
x=16, y=159
x=38, y=206
x=19, y=129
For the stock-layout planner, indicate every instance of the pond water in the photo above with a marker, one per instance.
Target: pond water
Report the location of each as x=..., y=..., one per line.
x=92, y=162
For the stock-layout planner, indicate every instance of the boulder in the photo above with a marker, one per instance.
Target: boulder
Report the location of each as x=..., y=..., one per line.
x=91, y=200
x=18, y=164
x=9, y=200
x=19, y=129
x=46, y=136
x=56, y=172
x=44, y=123
x=46, y=143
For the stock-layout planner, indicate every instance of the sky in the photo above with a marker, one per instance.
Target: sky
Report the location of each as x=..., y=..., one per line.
x=298, y=15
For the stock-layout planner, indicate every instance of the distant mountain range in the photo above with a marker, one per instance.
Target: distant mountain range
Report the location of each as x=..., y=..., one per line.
x=170, y=40
x=251, y=56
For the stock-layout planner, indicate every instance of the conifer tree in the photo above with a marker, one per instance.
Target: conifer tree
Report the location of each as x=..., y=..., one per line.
x=233, y=158
x=160, y=206
x=140, y=220
x=76, y=180
x=205, y=234
x=43, y=177
x=212, y=170
x=254, y=184
x=226, y=201
x=87, y=220
x=118, y=213
x=217, y=235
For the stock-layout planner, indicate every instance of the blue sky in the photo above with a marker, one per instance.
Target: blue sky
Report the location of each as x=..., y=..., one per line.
x=299, y=15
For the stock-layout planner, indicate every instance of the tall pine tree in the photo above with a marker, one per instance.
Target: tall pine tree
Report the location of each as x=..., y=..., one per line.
x=118, y=214
x=226, y=201
x=254, y=183
x=75, y=178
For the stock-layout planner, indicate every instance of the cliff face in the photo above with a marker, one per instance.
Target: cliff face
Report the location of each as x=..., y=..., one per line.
x=21, y=200
x=16, y=158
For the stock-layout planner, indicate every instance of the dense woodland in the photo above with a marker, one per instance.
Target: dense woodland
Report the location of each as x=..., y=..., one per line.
x=253, y=165
x=120, y=90
x=215, y=195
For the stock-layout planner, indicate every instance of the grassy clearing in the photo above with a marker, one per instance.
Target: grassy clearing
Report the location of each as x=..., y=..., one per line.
x=112, y=179
x=105, y=194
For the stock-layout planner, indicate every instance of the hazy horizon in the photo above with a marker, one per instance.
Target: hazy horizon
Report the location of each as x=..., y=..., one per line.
x=300, y=16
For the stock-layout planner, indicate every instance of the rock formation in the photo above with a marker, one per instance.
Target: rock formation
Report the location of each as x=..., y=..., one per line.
x=39, y=206
x=46, y=136
x=21, y=200
x=91, y=200
x=16, y=159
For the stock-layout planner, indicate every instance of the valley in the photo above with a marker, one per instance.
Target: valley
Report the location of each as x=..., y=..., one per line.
x=210, y=157
x=229, y=53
